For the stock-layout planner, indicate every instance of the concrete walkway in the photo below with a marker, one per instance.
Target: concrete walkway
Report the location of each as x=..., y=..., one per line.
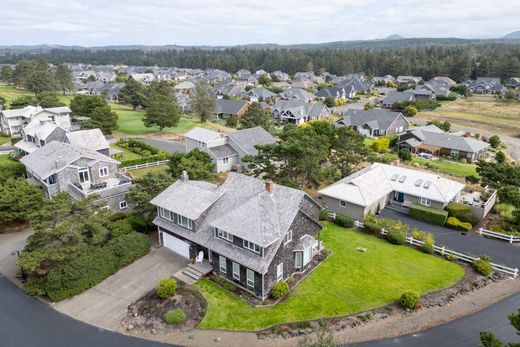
x=105, y=305
x=9, y=243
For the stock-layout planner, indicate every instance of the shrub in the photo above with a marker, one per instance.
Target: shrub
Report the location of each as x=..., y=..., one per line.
x=166, y=288
x=482, y=266
x=120, y=227
x=456, y=224
x=457, y=210
x=427, y=248
x=505, y=211
x=494, y=141
x=397, y=237
x=428, y=214
x=138, y=222
x=404, y=154
x=86, y=271
x=423, y=236
x=324, y=215
x=344, y=221
x=372, y=227
x=381, y=145
x=496, y=228
x=279, y=289
x=470, y=218
x=409, y=299
x=117, y=216
x=232, y=121
x=176, y=316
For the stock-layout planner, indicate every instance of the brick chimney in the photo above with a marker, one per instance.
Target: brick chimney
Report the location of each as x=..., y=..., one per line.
x=269, y=186
x=184, y=176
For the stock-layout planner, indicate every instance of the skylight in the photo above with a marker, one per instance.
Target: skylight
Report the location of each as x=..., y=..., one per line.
x=418, y=182
x=427, y=184
x=402, y=179
x=394, y=177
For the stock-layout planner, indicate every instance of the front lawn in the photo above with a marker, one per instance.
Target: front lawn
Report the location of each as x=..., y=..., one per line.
x=348, y=281
x=4, y=140
x=126, y=154
x=155, y=169
x=442, y=164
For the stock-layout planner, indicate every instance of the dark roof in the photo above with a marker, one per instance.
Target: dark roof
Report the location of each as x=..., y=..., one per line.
x=222, y=151
x=229, y=106
x=376, y=119
x=395, y=97
x=246, y=139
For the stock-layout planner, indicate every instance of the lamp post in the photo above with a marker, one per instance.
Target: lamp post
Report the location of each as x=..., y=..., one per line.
x=24, y=275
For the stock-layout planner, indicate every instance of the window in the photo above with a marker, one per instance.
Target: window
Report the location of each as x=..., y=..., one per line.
x=225, y=160
x=103, y=172
x=202, y=144
x=298, y=260
x=454, y=153
x=123, y=205
x=250, y=279
x=224, y=235
x=184, y=221
x=51, y=180
x=164, y=213
x=236, y=271
x=287, y=238
x=222, y=264
x=83, y=175
x=425, y=201
x=342, y=203
x=252, y=246
x=279, y=272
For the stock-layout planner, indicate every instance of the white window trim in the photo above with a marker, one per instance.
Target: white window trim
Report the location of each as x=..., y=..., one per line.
x=342, y=203
x=121, y=203
x=236, y=271
x=301, y=260
x=101, y=170
x=222, y=264
x=189, y=224
x=251, y=246
x=224, y=235
x=250, y=282
x=279, y=272
x=225, y=160
x=425, y=201
x=288, y=237
x=164, y=213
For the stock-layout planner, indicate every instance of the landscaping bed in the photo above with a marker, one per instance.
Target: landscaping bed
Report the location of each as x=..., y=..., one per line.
x=146, y=314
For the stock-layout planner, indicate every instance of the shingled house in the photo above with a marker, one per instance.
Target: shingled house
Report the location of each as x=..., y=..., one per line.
x=374, y=123
x=253, y=233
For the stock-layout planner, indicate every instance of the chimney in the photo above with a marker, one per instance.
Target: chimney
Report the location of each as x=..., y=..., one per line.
x=60, y=162
x=184, y=176
x=269, y=186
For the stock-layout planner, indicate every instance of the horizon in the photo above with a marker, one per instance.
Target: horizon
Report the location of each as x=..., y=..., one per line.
x=234, y=23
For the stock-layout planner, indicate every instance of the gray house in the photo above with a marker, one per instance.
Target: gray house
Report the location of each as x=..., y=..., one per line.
x=374, y=123
x=91, y=139
x=61, y=167
x=298, y=112
x=374, y=187
x=37, y=134
x=395, y=97
x=251, y=232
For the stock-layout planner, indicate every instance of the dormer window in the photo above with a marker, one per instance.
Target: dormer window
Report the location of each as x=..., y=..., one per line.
x=251, y=246
x=165, y=214
x=202, y=144
x=185, y=222
x=287, y=238
x=223, y=235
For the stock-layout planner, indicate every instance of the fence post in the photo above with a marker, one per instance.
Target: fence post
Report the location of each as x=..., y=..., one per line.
x=480, y=231
x=511, y=239
x=443, y=248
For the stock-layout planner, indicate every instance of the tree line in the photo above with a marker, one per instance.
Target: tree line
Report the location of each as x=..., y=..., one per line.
x=460, y=62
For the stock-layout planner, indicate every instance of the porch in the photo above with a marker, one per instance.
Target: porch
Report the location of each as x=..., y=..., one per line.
x=193, y=272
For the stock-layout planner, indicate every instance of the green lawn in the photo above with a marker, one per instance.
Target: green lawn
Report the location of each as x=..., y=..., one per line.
x=347, y=282
x=11, y=93
x=444, y=165
x=141, y=172
x=4, y=140
x=127, y=155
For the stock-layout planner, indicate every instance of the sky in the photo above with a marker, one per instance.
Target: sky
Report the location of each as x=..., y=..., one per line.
x=232, y=22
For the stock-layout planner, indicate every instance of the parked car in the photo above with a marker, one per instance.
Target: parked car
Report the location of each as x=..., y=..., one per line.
x=425, y=155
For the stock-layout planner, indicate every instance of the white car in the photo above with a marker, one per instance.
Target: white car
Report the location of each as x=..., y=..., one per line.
x=425, y=155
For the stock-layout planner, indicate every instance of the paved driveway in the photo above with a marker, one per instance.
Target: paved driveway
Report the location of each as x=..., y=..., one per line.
x=167, y=146
x=501, y=252
x=106, y=304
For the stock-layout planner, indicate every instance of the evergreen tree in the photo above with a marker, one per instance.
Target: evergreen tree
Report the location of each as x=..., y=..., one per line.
x=203, y=102
x=132, y=93
x=162, y=112
x=64, y=79
x=256, y=116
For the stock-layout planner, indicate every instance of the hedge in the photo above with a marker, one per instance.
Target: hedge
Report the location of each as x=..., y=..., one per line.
x=145, y=160
x=428, y=214
x=458, y=210
x=344, y=221
x=86, y=271
x=279, y=289
x=176, y=316
x=455, y=223
x=410, y=299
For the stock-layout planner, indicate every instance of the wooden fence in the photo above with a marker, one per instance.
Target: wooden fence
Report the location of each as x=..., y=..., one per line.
x=146, y=165
x=496, y=235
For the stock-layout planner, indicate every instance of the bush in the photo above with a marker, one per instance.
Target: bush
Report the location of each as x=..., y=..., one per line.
x=117, y=216
x=494, y=141
x=381, y=145
x=427, y=248
x=166, y=288
x=279, y=289
x=372, y=227
x=397, y=237
x=483, y=266
x=344, y=221
x=428, y=214
x=138, y=222
x=232, y=121
x=410, y=299
x=457, y=210
x=470, y=218
x=423, y=236
x=120, y=227
x=404, y=154
x=86, y=271
x=456, y=224
x=176, y=316
x=324, y=215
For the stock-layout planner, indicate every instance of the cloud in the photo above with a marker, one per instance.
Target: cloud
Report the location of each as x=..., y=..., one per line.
x=228, y=22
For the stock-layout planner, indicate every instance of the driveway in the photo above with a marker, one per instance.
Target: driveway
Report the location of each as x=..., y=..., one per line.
x=501, y=252
x=167, y=146
x=9, y=243
x=105, y=305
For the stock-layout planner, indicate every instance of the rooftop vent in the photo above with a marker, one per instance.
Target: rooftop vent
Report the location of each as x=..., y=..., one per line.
x=402, y=179
x=427, y=184
x=418, y=182
x=394, y=177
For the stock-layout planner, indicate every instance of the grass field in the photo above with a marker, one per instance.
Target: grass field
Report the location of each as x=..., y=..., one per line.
x=481, y=112
x=127, y=155
x=348, y=281
x=11, y=93
x=155, y=169
x=4, y=140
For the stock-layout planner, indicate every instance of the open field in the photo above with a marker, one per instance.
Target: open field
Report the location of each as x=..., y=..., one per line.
x=11, y=93
x=127, y=155
x=481, y=112
x=348, y=281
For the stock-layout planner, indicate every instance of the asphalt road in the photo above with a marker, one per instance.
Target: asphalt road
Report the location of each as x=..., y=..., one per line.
x=28, y=322
x=167, y=146
x=501, y=252
x=463, y=331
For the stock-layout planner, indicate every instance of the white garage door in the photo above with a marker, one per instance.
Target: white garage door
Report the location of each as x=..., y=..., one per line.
x=176, y=245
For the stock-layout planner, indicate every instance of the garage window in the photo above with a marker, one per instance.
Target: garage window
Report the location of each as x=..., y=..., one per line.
x=222, y=264
x=342, y=203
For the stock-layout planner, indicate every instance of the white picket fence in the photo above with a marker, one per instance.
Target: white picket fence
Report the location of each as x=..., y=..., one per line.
x=513, y=272
x=143, y=166
x=493, y=234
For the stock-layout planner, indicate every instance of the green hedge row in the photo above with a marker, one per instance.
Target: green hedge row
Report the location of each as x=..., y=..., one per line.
x=145, y=160
x=458, y=210
x=86, y=271
x=455, y=223
x=428, y=214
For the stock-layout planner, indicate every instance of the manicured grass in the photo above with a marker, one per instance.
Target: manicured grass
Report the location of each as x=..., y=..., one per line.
x=369, y=141
x=348, y=281
x=11, y=93
x=4, y=140
x=482, y=112
x=444, y=165
x=141, y=172
x=127, y=155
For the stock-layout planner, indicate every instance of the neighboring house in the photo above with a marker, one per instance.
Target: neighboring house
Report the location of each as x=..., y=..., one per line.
x=228, y=108
x=394, y=97
x=231, y=89
x=408, y=80
x=431, y=139
x=62, y=167
x=143, y=78
x=282, y=85
x=357, y=82
x=513, y=82
x=227, y=150
x=281, y=76
x=38, y=133
x=423, y=94
x=347, y=92
x=297, y=93
x=374, y=123
x=446, y=80
x=298, y=111
x=436, y=88
x=185, y=87
x=259, y=94
x=485, y=85
x=251, y=232
x=374, y=187
x=91, y=139
x=13, y=121
x=303, y=84
x=383, y=81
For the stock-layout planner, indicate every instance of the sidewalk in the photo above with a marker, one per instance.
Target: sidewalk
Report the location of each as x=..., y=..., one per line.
x=10, y=242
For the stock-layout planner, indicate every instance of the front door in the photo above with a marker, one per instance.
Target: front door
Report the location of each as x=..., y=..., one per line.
x=398, y=196
x=298, y=260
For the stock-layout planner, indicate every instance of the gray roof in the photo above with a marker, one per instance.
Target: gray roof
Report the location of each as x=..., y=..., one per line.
x=246, y=139
x=260, y=92
x=90, y=139
x=229, y=106
x=376, y=119
x=299, y=108
x=395, y=97
x=296, y=93
x=43, y=162
x=202, y=134
x=222, y=151
x=431, y=135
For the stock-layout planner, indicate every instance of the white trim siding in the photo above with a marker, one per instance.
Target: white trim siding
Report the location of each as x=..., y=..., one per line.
x=236, y=271
x=222, y=264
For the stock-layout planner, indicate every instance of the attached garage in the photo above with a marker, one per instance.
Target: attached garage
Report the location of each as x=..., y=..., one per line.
x=176, y=245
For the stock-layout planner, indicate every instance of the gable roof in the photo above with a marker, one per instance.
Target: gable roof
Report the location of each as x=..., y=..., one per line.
x=376, y=119
x=246, y=139
x=260, y=92
x=296, y=93
x=202, y=134
x=92, y=139
x=300, y=108
x=396, y=96
x=432, y=135
x=229, y=106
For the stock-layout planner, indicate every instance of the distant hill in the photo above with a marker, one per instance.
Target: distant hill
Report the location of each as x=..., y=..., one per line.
x=515, y=35
x=394, y=37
